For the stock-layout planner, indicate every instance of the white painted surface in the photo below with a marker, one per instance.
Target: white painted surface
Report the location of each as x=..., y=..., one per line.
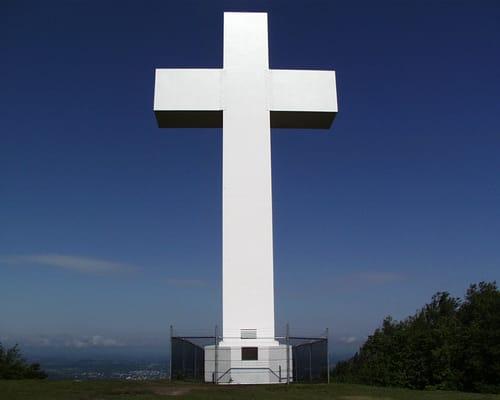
x=270, y=368
x=188, y=89
x=293, y=90
x=247, y=231
x=246, y=90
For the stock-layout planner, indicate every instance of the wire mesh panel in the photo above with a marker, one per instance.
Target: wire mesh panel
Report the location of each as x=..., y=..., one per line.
x=310, y=359
x=283, y=359
x=187, y=359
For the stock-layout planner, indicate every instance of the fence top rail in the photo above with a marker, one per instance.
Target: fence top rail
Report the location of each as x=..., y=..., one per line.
x=193, y=337
x=320, y=338
x=308, y=338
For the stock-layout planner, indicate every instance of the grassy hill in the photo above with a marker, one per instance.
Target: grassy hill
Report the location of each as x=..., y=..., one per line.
x=104, y=390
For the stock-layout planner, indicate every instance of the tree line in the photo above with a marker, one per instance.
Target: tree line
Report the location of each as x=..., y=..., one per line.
x=449, y=344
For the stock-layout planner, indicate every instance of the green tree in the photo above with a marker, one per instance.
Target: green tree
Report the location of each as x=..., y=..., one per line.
x=480, y=339
x=13, y=366
x=448, y=344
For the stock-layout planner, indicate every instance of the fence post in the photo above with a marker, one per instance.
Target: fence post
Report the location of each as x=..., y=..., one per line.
x=183, y=358
x=171, y=347
x=310, y=362
x=195, y=356
x=287, y=354
x=327, y=357
x=216, y=356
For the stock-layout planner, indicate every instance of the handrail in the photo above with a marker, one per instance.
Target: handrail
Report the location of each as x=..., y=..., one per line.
x=243, y=368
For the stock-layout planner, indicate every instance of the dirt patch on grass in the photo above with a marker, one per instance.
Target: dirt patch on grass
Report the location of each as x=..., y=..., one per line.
x=170, y=390
x=167, y=390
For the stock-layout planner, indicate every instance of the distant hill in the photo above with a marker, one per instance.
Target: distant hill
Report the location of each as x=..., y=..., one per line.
x=450, y=344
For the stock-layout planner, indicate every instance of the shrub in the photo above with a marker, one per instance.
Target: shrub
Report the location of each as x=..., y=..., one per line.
x=13, y=366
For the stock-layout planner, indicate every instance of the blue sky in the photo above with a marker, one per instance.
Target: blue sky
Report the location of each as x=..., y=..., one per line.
x=110, y=228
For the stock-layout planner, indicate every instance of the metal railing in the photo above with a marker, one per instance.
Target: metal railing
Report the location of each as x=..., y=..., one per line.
x=247, y=369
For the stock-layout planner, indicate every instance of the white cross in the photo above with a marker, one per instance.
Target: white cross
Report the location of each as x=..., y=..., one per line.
x=246, y=98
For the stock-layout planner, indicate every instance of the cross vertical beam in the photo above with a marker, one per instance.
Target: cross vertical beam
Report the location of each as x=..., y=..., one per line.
x=248, y=294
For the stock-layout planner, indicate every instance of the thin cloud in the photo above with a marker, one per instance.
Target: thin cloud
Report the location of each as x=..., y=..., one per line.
x=34, y=341
x=186, y=282
x=378, y=277
x=93, y=341
x=72, y=263
x=320, y=286
x=348, y=339
x=67, y=341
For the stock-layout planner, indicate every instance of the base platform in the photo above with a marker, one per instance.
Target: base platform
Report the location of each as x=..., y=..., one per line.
x=248, y=363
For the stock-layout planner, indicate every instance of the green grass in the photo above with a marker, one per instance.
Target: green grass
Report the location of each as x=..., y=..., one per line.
x=105, y=390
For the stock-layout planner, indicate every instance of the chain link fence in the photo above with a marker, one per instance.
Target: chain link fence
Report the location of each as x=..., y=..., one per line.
x=310, y=359
x=285, y=359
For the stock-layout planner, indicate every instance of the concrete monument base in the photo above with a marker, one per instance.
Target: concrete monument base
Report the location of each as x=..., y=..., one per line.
x=248, y=363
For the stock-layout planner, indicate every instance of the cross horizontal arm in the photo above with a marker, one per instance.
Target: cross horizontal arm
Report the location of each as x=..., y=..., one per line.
x=188, y=98
x=302, y=99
